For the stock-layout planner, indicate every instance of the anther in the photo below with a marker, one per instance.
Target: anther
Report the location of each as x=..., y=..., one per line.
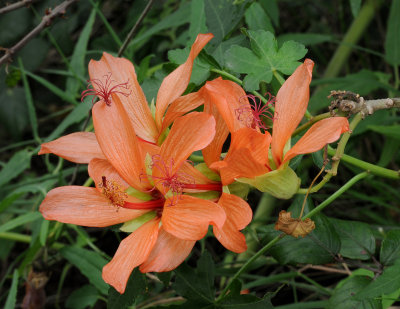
x=104, y=89
x=113, y=191
x=250, y=114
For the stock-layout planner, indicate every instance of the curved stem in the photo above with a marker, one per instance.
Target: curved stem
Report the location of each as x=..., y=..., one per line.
x=335, y=195
x=249, y=262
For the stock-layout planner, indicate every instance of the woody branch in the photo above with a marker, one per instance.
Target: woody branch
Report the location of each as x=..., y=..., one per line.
x=59, y=10
x=17, y=5
x=353, y=103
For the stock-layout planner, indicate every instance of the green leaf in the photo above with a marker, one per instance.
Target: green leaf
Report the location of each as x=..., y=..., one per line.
x=44, y=228
x=20, y=220
x=246, y=301
x=134, y=224
x=57, y=91
x=12, y=294
x=136, y=285
x=264, y=59
x=201, y=69
x=316, y=248
x=343, y=297
x=355, y=7
x=14, y=115
x=197, y=19
x=82, y=298
x=390, y=249
x=356, y=238
x=392, y=42
x=222, y=16
x=89, y=263
x=318, y=158
x=389, y=151
x=257, y=19
x=272, y=9
x=18, y=163
x=196, y=285
x=79, y=113
x=386, y=283
x=306, y=39
x=77, y=64
x=389, y=131
x=282, y=183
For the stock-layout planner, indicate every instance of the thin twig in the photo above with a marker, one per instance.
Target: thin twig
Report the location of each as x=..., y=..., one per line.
x=135, y=27
x=16, y=5
x=59, y=10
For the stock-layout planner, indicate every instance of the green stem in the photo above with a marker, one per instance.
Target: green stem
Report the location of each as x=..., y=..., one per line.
x=336, y=157
x=107, y=24
x=338, y=193
x=353, y=35
x=310, y=122
x=372, y=168
x=249, y=262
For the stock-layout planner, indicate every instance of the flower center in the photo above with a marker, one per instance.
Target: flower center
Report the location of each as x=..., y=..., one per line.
x=113, y=191
x=104, y=89
x=250, y=114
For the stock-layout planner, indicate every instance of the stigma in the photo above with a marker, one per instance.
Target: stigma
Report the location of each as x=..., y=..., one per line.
x=104, y=89
x=251, y=114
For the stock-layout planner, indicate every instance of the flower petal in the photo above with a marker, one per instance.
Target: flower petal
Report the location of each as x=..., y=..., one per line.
x=189, y=133
x=227, y=96
x=98, y=168
x=212, y=152
x=132, y=252
x=181, y=106
x=135, y=104
x=84, y=206
x=118, y=141
x=167, y=254
x=176, y=83
x=321, y=133
x=291, y=104
x=79, y=147
x=190, y=217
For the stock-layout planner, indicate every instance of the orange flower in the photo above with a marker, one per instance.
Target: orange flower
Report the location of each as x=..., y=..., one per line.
x=247, y=157
x=113, y=78
x=176, y=221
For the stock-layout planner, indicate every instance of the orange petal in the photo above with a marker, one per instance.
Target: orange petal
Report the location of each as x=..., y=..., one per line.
x=84, y=206
x=291, y=104
x=247, y=156
x=132, y=252
x=118, y=141
x=176, y=83
x=135, y=104
x=189, y=133
x=238, y=216
x=99, y=168
x=167, y=254
x=212, y=152
x=237, y=210
x=227, y=96
x=190, y=217
x=79, y=147
x=321, y=133
x=181, y=106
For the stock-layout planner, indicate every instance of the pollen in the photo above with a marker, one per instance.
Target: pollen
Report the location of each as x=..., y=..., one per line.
x=113, y=191
x=103, y=89
x=251, y=114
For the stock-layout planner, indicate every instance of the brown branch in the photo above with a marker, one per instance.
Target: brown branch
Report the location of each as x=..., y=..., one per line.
x=16, y=5
x=59, y=10
x=352, y=103
x=135, y=27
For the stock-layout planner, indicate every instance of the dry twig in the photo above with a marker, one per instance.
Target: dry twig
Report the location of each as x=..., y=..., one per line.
x=16, y=5
x=59, y=10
